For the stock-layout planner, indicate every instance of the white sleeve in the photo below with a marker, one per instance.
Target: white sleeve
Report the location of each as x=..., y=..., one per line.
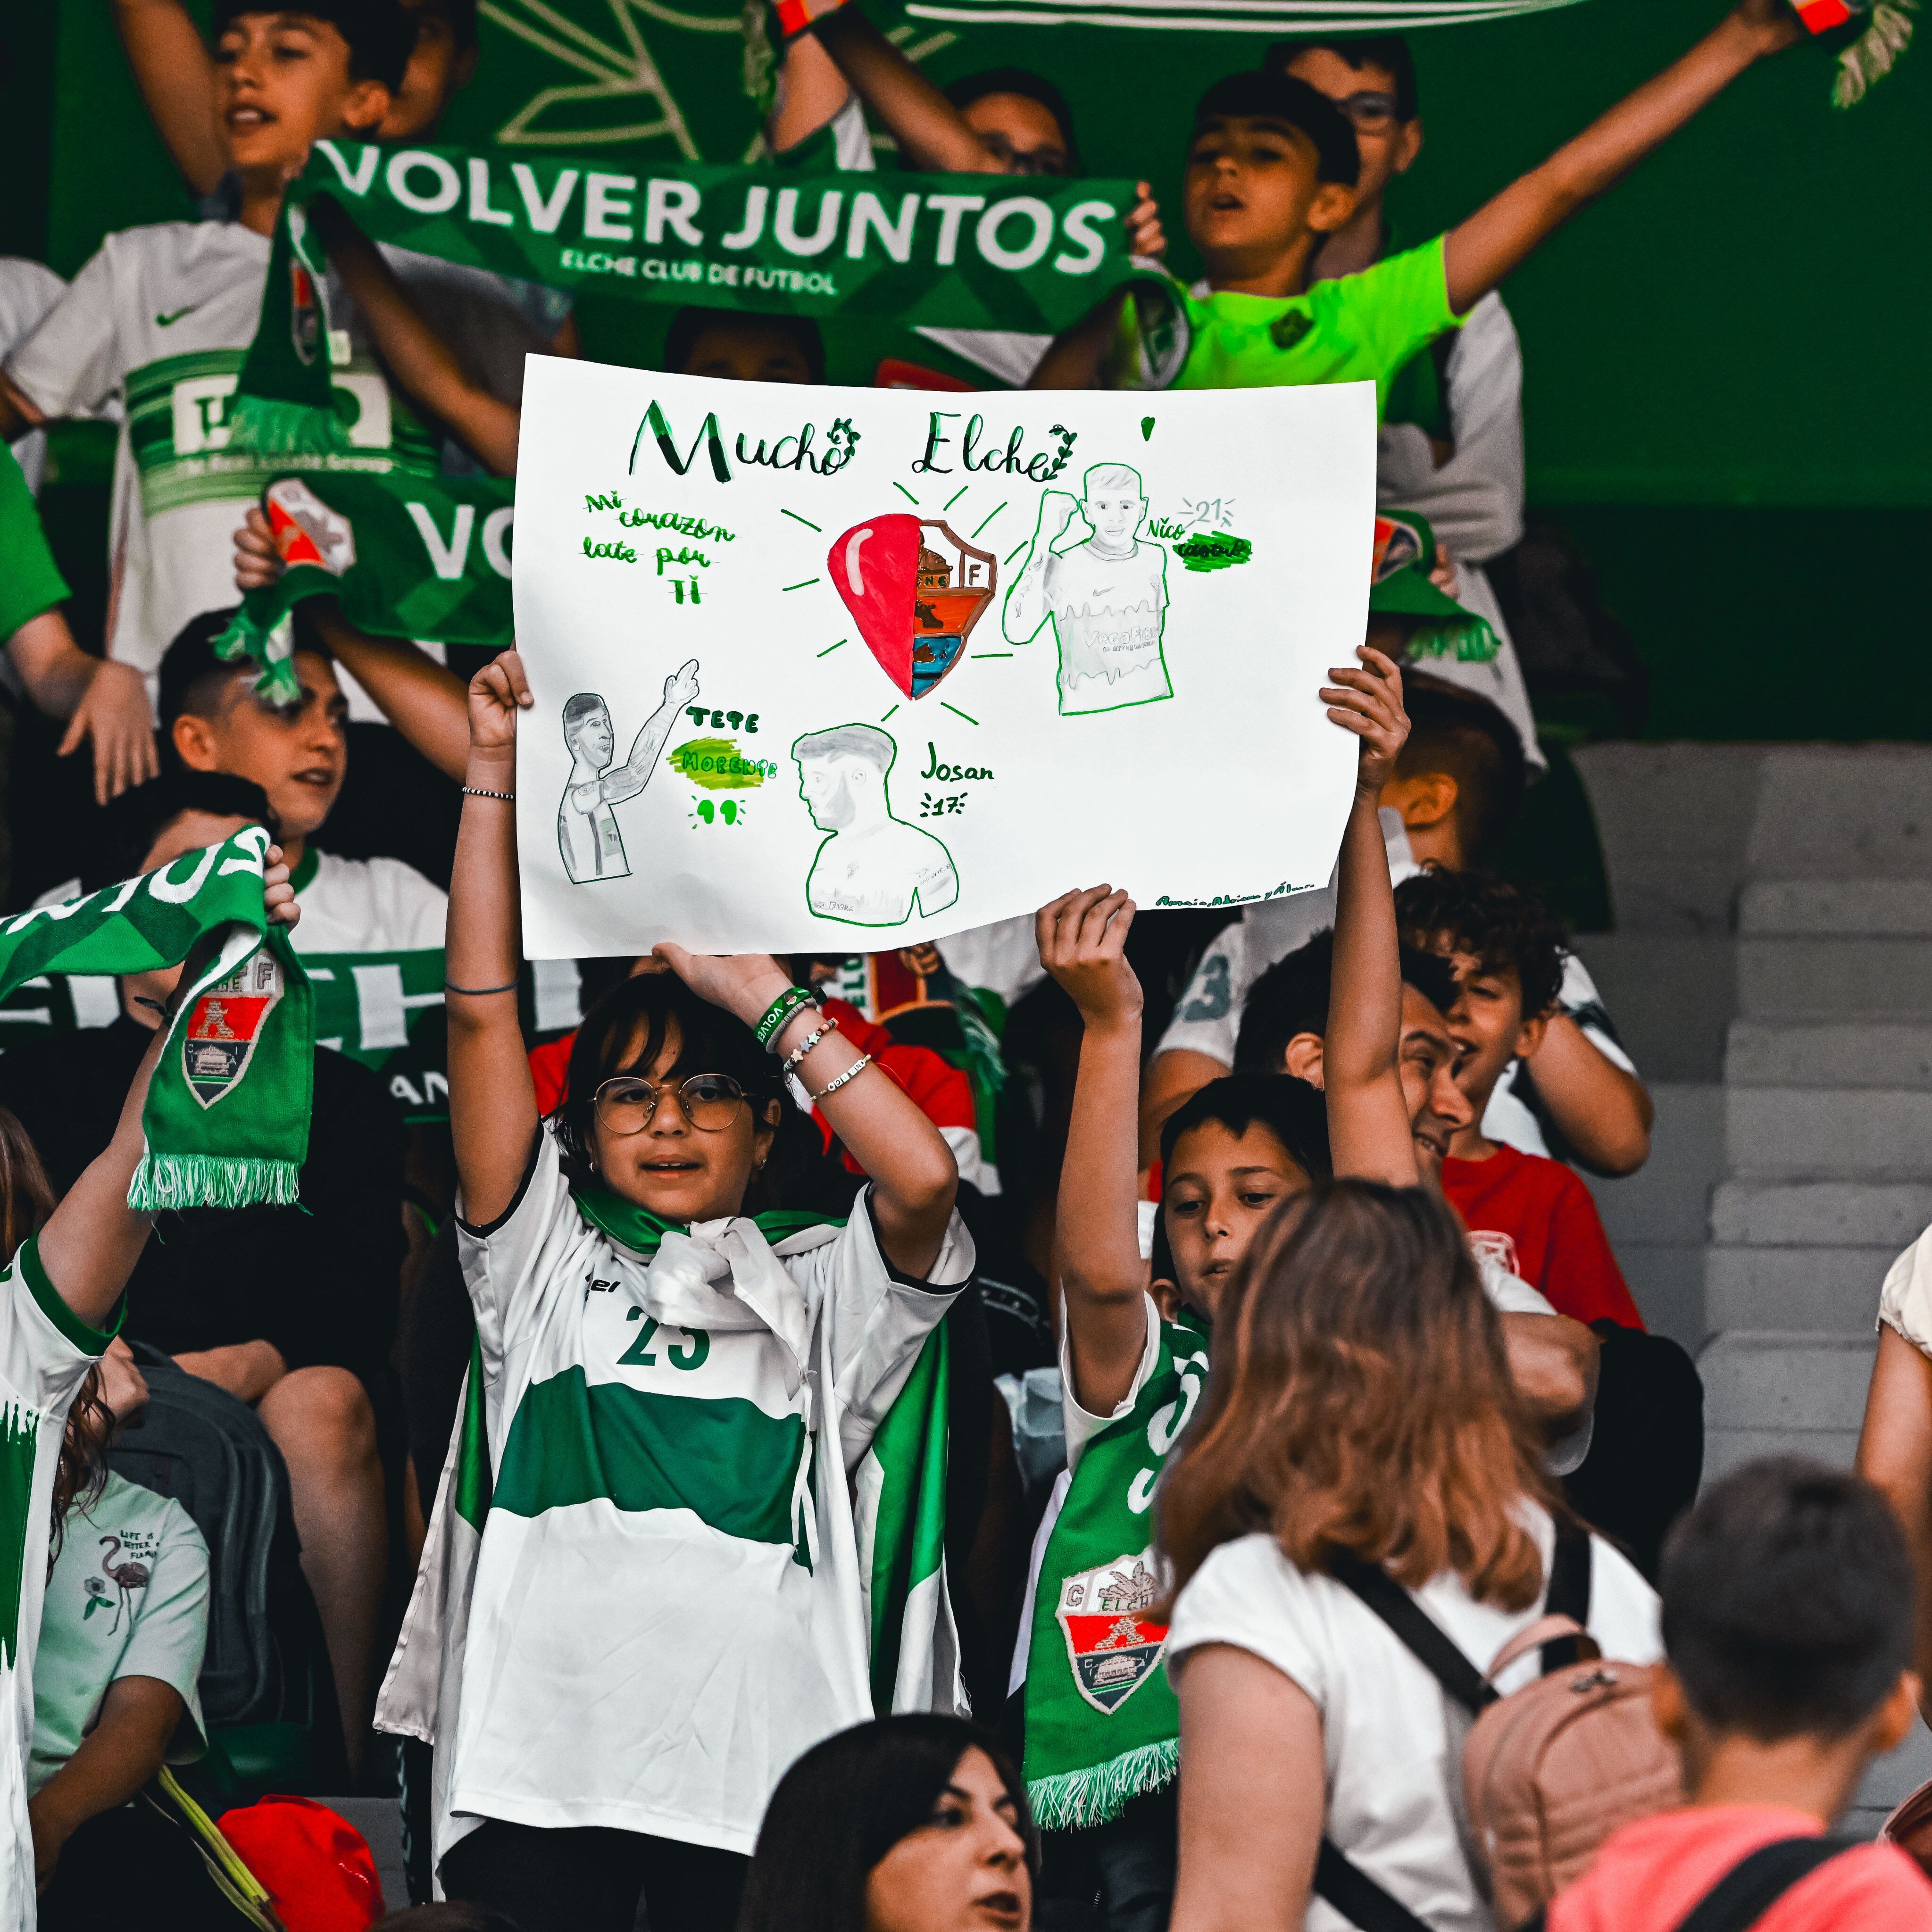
x=1208, y=1016
x=45, y=1349
x=411, y=912
x=1247, y=1594
x=70, y=364
x=1509, y=1294
x=513, y=1266
x=1082, y=1425
x=1579, y=997
x=1474, y=502
x=881, y=1318
x=1905, y=1302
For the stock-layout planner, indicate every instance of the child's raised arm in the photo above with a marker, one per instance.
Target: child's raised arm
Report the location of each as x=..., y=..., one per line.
x=423, y=365
x=1480, y=251
x=175, y=74
x=93, y=1239
x=1096, y=1257
x=493, y=1106
x=1370, y=1133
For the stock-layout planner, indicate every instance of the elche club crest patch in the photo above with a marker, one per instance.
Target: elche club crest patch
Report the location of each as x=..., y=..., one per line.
x=225, y=1024
x=1110, y=1644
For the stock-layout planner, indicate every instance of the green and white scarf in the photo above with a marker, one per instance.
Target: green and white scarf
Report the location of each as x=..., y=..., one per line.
x=406, y=556
x=1102, y=1726
x=226, y=1120
x=970, y=252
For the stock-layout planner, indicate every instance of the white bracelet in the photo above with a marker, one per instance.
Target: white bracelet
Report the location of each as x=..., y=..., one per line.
x=811, y=1040
x=852, y=1073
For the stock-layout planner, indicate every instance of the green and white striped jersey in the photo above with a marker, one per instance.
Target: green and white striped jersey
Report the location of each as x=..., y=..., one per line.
x=46, y=1351
x=669, y=1601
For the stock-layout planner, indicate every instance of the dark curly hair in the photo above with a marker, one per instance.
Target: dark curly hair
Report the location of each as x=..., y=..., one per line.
x=625, y=1030
x=1507, y=928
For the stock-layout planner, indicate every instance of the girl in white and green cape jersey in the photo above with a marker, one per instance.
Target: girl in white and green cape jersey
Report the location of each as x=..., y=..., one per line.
x=1102, y=1727
x=654, y=1573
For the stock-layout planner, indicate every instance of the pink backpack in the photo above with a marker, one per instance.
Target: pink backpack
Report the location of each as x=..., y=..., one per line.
x=1549, y=1771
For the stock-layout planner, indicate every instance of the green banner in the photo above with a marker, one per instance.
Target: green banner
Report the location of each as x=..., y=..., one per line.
x=406, y=556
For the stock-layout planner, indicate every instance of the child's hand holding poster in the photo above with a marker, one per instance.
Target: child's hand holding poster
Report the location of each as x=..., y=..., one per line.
x=823, y=671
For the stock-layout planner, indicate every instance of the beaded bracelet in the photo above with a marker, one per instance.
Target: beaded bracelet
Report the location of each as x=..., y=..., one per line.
x=780, y=1010
x=852, y=1073
x=805, y=1045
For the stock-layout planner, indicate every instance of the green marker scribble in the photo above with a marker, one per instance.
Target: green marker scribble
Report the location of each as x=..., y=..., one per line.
x=989, y=518
x=797, y=519
x=1212, y=550
x=907, y=494
x=954, y=498
x=19, y=1434
x=717, y=765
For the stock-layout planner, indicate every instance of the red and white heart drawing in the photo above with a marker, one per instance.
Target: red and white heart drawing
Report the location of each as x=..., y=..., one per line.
x=915, y=605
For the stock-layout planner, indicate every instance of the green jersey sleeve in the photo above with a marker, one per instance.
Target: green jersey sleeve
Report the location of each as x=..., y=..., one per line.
x=29, y=581
x=1398, y=307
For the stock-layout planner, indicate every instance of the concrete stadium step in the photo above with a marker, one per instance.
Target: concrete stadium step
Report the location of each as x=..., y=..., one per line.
x=1886, y=1215
x=1832, y=1290
x=1783, y=1393
x=1835, y=907
x=1830, y=1053
x=1816, y=1133
x=1834, y=977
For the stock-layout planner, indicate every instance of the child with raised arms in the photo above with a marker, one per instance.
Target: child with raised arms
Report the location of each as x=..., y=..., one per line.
x=664, y=1607
x=1271, y=173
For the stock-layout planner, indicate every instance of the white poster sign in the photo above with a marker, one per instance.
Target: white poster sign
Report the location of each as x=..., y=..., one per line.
x=835, y=670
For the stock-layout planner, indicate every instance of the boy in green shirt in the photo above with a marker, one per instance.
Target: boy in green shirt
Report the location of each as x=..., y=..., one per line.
x=1271, y=173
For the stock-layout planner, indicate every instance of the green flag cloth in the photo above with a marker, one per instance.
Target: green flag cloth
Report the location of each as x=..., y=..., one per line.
x=971, y=252
x=227, y=1121
x=1102, y=1724
x=1399, y=586
x=407, y=555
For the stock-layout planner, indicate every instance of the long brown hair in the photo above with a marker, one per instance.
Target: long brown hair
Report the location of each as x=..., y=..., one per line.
x=1361, y=1399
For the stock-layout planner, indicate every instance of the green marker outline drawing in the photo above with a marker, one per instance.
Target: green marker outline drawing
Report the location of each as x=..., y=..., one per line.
x=1050, y=590
x=845, y=773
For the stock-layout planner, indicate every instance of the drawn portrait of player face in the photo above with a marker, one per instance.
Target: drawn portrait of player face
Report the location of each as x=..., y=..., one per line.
x=587, y=836
x=592, y=737
x=1114, y=506
x=872, y=869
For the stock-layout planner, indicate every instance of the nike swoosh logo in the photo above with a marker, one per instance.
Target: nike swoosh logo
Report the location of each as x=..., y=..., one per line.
x=168, y=321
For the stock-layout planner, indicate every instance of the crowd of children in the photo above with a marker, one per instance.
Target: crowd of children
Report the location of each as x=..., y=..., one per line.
x=1185, y=1344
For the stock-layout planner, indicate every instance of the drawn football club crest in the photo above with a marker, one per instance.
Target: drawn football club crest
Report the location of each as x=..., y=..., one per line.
x=916, y=590
x=226, y=1022
x=306, y=530
x=1110, y=1644
x=1397, y=546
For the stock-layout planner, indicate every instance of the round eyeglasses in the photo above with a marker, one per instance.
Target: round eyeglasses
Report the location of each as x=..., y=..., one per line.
x=709, y=1101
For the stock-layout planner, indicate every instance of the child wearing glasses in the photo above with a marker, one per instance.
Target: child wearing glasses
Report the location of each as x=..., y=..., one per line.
x=1274, y=172
x=643, y=1596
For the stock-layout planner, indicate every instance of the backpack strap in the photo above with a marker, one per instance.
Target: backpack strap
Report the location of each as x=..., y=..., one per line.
x=1420, y=1634
x=1357, y=1897
x=1755, y=1884
x=1568, y=1595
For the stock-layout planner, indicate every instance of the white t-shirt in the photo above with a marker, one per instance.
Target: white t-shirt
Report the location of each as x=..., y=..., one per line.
x=1392, y=1741
x=152, y=333
x=1208, y=1016
x=46, y=1351
x=27, y=290
x=1108, y=612
x=128, y=1597
x=666, y=1607
x=370, y=937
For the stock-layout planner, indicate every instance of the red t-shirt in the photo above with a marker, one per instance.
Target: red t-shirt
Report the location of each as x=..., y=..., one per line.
x=1649, y=1875
x=1549, y=1217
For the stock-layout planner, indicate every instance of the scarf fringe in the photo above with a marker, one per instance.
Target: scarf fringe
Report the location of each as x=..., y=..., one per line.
x=174, y=1180
x=1473, y=642
x=1874, y=53
x=247, y=637
x=272, y=427
x=1071, y=1799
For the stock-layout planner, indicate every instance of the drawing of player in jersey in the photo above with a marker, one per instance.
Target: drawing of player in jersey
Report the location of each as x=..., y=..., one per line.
x=587, y=826
x=872, y=869
x=1106, y=596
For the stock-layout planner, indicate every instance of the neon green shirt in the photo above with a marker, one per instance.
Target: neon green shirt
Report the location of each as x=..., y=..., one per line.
x=1353, y=328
